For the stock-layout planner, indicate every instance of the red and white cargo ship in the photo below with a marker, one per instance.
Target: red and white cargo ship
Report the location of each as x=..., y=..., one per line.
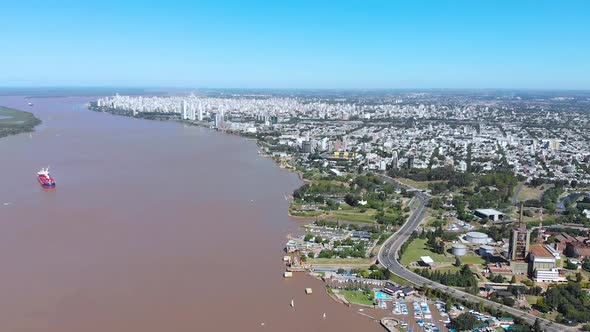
x=45, y=178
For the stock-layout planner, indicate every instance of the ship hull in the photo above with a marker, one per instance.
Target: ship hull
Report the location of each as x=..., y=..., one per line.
x=46, y=182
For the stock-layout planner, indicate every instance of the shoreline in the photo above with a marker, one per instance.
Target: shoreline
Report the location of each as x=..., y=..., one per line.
x=15, y=121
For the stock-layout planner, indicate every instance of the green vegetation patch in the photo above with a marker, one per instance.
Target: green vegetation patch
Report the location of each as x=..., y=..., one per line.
x=14, y=122
x=357, y=297
x=532, y=299
x=472, y=259
x=571, y=301
x=339, y=261
x=449, y=269
x=419, y=248
x=422, y=185
x=529, y=193
x=399, y=280
x=357, y=215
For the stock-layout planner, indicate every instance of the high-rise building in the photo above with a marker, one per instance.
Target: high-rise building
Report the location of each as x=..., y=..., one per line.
x=462, y=166
x=394, y=160
x=192, y=113
x=306, y=147
x=519, y=243
x=324, y=144
x=449, y=161
x=218, y=120
x=519, y=240
x=200, y=117
x=410, y=162
x=184, y=110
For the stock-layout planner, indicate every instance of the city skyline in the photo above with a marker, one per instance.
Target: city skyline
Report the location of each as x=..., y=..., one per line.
x=499, y=45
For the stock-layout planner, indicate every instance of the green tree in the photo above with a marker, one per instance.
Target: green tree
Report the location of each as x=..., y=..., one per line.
x=542, y=306
x=465, y=321
x=449, y=304
x=351, y=200
x=508, y=301
x=570, y=266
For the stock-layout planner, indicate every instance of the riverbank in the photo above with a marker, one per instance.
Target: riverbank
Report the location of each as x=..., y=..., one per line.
x=13, y=121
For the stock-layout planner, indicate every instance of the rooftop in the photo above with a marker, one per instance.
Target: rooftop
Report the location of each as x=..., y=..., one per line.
x=477, y=234
x=540, y=252
x=489, y=212
x=427, y=259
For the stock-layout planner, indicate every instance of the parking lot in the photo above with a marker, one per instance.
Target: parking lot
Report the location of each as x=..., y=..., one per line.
x=418, y=315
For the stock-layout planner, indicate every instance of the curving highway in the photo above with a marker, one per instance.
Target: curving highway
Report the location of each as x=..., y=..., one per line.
x=388, y=257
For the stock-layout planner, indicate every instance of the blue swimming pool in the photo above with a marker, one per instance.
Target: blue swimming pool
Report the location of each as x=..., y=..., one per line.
x=382, y=296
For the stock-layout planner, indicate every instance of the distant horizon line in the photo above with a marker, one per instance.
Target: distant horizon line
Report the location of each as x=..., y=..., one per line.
x=155, y=87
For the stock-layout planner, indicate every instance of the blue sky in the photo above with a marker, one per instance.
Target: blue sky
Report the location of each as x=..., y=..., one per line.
x=297, y=44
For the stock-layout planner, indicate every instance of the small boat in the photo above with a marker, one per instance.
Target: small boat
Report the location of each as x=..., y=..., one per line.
x=30, y=104
x=324, y=315
x=292, y=304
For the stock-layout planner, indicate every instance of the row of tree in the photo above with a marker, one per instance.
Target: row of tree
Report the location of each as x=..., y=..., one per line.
x=462, y=278
x=571, y=301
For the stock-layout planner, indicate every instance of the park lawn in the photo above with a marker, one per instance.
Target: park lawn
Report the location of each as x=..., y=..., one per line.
x=340, y=261
x=472, y=259
x=417, y=249
x=399, y=280
x=551, y=315
x=312, y=174
x=527, y=193
x=357, y=297
x=422, y=185
x=354, y=215
x=346, y=207
x=532, y=299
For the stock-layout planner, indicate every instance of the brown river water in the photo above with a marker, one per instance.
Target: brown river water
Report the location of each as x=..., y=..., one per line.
x=153, y=226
